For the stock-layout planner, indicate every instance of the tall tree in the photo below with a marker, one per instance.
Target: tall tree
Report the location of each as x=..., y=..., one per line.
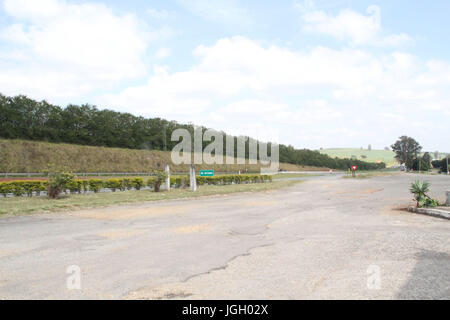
x=406, y=150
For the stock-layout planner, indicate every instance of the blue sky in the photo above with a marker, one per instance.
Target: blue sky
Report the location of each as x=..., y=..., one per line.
x=324, y=73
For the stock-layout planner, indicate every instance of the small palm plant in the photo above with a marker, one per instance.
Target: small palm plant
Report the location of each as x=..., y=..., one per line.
x=160, y=176
x=420, y=190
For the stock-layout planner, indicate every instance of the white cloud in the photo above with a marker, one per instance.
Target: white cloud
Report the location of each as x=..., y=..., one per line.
x=158, y=14
x=228, y=12
x=68, y=50
x=351, y=26
x=163, y=53
x=341, y=96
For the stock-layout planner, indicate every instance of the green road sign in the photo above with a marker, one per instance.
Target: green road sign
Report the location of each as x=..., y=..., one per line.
x=206, y=173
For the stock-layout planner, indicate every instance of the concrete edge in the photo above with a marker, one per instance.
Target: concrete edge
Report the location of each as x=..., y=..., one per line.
x=431, y=212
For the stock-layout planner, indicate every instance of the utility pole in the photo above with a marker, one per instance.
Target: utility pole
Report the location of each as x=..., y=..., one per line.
x=192, y=177
x=165, y=136
x=447, y=166
x=168, y=177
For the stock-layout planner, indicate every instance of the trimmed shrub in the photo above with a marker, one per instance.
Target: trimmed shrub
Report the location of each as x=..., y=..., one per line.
x=179, y=181
x=95, y=185
x=126, y=184
x=85, y=185
x=137, y=183
x=74, y=186
x=18, y=189
x=66, y=181
x=22, y=187
x=5, y=188
x=113, y=184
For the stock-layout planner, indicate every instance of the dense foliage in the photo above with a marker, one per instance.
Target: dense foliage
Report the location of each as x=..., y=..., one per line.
x=422, y=163
x=441, y=164
x=406, y=150
x=24, y=118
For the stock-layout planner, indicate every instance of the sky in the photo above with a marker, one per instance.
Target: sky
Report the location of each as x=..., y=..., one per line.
x=313, y=74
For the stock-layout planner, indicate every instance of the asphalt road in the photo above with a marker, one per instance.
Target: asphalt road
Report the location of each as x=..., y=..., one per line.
x=326, y=238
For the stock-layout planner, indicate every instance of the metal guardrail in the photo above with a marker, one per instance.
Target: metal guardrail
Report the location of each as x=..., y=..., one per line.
x=103, y=174
x=79, y=174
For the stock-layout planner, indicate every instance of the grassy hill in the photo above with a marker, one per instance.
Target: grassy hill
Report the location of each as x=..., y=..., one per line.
x=371, y=156
x=386, y=156
x=33, y=157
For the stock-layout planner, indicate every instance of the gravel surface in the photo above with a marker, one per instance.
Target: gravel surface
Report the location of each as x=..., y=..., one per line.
x=327, y=238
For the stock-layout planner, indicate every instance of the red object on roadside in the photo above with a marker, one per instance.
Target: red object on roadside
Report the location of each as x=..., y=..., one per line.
x=354, y=168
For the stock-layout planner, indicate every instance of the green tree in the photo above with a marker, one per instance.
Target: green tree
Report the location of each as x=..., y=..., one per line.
x=406, y=150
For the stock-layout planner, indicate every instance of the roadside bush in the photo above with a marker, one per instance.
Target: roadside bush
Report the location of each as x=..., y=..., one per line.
x=85, y=185
x=436, y=164
x=74, y=186
x=126, y=184
x=57, y=183
x=157, y=180
x=137, y=183
x=17, y=189
x=40, y=186
x=64, y=181
x=5, y=188
x=179, y=181
x=113, y=184
x=95, y=185
x=22, y=187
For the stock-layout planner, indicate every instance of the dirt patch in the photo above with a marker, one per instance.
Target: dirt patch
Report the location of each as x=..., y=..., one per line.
x=395, y=210
x=132, y=213
x=358, y=194
x=190, y=229
x=5, y=253
x=370, y=191
x=121, y=233
x=257, y=203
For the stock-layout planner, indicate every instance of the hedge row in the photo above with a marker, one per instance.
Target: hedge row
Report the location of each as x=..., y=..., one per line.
x=28, y=187
x=20, y=188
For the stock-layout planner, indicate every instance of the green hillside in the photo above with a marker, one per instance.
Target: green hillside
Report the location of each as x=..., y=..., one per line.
x=33, y=156
x=371, y=156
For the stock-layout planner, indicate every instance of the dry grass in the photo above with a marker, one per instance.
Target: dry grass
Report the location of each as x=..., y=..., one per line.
x=23, y=205
x=31, y=156
x=372, y=174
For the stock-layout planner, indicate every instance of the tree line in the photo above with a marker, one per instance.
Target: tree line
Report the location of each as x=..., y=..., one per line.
x=25, y=118
x=408, y=152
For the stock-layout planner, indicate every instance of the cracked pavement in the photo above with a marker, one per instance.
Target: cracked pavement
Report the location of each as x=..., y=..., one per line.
x=316, y=240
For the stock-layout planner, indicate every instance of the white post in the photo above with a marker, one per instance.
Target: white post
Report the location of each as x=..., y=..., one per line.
x=167, y=178
x=448, y=169
x=448, y=198
x=193, y=180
